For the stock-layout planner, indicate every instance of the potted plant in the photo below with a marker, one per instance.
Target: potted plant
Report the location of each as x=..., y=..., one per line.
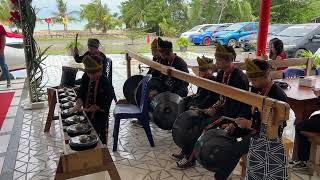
x=71, y=45
x=183, y=43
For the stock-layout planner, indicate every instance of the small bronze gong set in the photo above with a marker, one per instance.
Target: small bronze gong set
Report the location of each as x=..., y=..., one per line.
x=76, y=125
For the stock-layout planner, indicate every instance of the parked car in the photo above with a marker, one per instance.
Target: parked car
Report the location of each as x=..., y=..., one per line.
x=14, y=54
x=196, y=29
x=230, y=36
x=300, y=38
x=205, y=37
x=246, y=42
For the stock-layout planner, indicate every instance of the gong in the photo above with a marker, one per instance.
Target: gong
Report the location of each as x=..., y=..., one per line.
x=68, y=77
x=130, y=86
x=166, y=107
x=186, y=129
x=215, y=150
x=156, y=86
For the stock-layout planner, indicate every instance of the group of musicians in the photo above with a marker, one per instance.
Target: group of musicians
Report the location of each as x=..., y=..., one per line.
x=96, y=94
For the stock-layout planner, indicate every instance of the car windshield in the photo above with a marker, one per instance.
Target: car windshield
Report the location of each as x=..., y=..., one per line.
x=195, y=28
x=275, y=29
x=297, y=31
x=234, y=27
x=212, y=28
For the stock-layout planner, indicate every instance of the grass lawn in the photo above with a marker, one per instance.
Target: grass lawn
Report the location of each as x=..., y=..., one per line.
x=112, y=45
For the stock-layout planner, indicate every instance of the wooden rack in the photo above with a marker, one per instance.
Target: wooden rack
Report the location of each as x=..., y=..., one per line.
x=264, y=104
x=78, y=163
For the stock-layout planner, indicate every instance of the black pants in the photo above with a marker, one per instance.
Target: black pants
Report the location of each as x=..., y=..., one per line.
x=312, y=125
x=100, y=123
x=203, y=122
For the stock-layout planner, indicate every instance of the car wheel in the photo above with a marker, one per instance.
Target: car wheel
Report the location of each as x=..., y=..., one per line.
x=206, y=41
x=197, y=44
x=233, y=43
x=299, y=53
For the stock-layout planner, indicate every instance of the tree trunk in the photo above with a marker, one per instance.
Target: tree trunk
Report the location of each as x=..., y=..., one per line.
x=223, y=3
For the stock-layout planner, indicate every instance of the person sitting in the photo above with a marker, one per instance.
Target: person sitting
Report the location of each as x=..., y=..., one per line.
x=223, y=106
x=174, y=85
x=310, y=125
x=276, y=51
x=95, y=95
x=246, y=128
x=157, y=58
x=204, y=98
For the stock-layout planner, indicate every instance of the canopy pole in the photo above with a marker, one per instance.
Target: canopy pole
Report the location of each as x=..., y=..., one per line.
x=265, y=6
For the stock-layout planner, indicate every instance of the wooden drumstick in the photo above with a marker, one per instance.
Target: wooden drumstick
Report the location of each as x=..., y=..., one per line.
x=76, y=45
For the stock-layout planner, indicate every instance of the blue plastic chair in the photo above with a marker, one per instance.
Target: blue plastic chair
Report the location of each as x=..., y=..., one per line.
x=127, y=111
x=318, y=71
x=293, y=73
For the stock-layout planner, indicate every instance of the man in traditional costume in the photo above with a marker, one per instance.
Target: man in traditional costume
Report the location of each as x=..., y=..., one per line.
x=246, y=128
x=204, y=98
x=93, y=50
x=174, y=85
x=156, y=58
x=95, y=95
x=224, y=106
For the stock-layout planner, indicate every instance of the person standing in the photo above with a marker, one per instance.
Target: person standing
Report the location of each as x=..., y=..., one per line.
x=95, y=95
x=3, y=65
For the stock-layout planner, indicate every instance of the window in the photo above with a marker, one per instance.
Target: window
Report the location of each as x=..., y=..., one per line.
x=248, y=27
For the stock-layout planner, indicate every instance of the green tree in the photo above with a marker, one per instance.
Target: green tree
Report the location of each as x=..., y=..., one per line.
x=4, y=10
x=63, y=16
x=98, y=16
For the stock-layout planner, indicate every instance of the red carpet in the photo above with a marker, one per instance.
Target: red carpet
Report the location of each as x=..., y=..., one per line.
x=5, y=101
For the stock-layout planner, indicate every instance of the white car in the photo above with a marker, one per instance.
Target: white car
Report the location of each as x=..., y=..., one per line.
x=14, y=54
x=196, y=30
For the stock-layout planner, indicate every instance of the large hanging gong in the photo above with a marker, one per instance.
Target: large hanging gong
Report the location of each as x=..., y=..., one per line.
x=130, y=86
x=156, y=86
x=215, y=150
x=167, y=107
x=186, y=129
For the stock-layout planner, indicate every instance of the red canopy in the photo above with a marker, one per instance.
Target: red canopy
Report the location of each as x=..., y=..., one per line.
x=14, y=35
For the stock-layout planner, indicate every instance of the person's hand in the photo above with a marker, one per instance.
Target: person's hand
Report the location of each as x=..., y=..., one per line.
x=229, y=127
x=76, y=51
x=316, y=92
x=264, y=57
x=79, y=102
x=210, y=111
x=93, y=109
x=122, y=101
x=76, y=108
x=244, y=123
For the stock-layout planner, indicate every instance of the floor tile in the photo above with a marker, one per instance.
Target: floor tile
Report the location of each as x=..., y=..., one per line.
x=7, y=125
x=4, y=141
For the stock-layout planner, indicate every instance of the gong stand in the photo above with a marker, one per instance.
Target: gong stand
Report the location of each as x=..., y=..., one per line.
x=264, y=104
x=78, y=163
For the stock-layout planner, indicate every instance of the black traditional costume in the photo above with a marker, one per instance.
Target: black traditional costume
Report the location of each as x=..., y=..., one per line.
x=241, y=148
x=204, y=98
x=224, y=106
x=175, y=85
x=99, y=93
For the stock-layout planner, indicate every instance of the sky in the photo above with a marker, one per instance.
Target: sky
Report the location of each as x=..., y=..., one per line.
x=48, y=6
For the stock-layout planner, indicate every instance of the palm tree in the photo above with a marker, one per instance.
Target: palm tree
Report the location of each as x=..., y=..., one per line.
x=98, y=16
x=62, y=16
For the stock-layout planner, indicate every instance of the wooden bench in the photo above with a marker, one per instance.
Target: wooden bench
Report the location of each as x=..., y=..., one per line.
x=288, y=147
x=313, y=162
